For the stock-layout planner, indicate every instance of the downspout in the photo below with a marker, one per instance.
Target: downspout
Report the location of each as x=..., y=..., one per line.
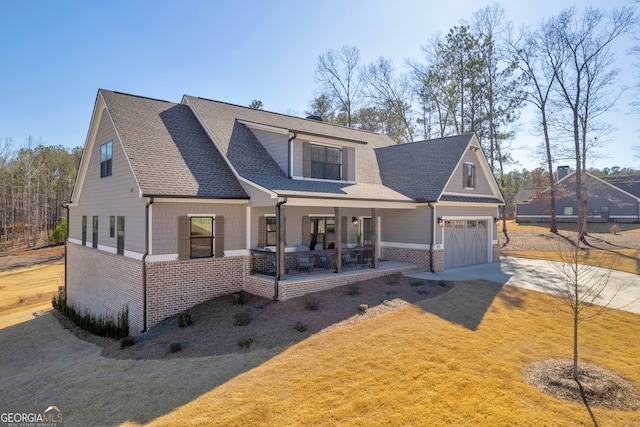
x=433, y=236
x=66, y=237
x=144, y=265
x=295, y=135
x=279, y=253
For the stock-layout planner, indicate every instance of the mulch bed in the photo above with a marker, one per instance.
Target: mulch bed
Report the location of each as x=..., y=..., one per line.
x=213, y=331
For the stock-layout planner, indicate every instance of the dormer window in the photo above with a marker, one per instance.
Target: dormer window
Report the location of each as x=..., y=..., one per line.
x=106, y=156
x=326, y=162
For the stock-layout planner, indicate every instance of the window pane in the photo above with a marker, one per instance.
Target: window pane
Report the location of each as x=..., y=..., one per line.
x=318, y=153
x=103, y=152
x=317, y=170
x=271, y=223
x=202, y=226
x=109, y=150
x=332, y=171
x=333, y=155
x=568, y=210
x=201, y=247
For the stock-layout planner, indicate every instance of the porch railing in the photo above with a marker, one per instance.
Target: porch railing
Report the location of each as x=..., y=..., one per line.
x=298, y=263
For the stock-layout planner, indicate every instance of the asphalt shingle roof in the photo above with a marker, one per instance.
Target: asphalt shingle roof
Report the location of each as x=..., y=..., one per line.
x=252, y=161
x=420, y=170
x=629, y=183
x=170, y=153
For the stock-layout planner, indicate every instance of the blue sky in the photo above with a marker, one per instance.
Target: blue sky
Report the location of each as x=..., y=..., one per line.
x=55, y=56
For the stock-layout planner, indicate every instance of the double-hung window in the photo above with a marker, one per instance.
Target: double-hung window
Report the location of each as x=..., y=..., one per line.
x=271, y=230
x=120, y=242
x=326, y=162
x=106, y=156
x=201, y=237
x=84, y=230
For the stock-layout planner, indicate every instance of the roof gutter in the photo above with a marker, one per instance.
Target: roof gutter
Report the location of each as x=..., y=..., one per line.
x=279, y=249
x=144, y=265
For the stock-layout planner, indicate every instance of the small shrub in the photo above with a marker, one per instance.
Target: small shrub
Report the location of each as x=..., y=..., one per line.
x=311, y=302
x=300, y=327
x=392, y=279
x=245, y=342
x=242, y=318
x=101, y=325
x=175, y=347
x=353, y=289
x=127, y=342
x=615, y=229
x=184, y=319
x=238, y=298
x=363, y=308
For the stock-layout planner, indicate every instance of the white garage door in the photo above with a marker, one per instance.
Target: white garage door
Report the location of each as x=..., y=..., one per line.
x=465, y=242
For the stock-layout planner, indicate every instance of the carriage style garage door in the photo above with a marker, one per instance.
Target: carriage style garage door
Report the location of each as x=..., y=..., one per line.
x=465, y=242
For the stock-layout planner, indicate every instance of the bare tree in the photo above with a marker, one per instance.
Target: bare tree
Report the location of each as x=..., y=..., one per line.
x=391, y=95
x=337, y=72
x=532, y=52
x=584, y=76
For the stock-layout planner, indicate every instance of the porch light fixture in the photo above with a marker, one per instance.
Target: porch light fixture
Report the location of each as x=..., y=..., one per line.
x=496, y=219
x=354, y=220
x=440, y=221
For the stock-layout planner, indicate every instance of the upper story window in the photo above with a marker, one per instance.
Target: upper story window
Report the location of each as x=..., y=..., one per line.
x=326, y=162
x=106, y=156
x=469, y=176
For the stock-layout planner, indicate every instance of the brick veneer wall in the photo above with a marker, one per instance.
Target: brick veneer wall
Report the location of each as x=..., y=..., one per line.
x=174, y=286
x=415, y=256
x=103, y=283
x=298, y=287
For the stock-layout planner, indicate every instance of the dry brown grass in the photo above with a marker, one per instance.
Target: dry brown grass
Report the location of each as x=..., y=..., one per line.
x=420, y=365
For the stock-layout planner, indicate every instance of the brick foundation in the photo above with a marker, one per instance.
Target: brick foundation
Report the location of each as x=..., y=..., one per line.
x=174, y=286
x=102, y=284
x=419, y=257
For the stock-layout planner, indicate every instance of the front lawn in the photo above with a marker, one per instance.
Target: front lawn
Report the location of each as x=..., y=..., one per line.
x=453, y=360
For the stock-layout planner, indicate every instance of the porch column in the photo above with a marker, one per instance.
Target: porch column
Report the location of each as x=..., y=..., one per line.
x=338, y=221
x=374, y=235
x=280, y=242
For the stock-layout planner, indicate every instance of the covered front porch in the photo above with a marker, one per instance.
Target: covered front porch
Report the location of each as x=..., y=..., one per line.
x=298, y=285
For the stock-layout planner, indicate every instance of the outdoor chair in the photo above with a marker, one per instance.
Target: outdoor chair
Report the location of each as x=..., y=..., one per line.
x=348, y=258
x=305, y=261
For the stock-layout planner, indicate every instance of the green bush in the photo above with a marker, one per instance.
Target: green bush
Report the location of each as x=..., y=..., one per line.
x=245, y=342
x=239, y=298
x=175, y=347
x=311, y=302
x=392, y=279
x=300, y=327
x=58, y=234
x=353, y=289
x=243, y=318
x=184, y=319
x=127, y=342
x=102, y=325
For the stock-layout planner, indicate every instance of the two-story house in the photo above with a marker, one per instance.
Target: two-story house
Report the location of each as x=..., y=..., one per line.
x=177, y=203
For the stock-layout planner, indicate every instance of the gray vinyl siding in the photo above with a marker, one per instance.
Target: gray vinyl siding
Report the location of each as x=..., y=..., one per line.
x=115, y=195
x=407, y=226
x=482, y=186
x=165, y=223
x=276, y=145
x=294, y=221
x=296, y=149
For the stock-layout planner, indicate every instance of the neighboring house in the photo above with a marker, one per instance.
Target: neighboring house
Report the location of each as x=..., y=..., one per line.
x=179, y=203
x=610, y=199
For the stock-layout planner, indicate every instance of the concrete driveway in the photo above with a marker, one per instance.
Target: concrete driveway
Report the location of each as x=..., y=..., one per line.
x=623, y=289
